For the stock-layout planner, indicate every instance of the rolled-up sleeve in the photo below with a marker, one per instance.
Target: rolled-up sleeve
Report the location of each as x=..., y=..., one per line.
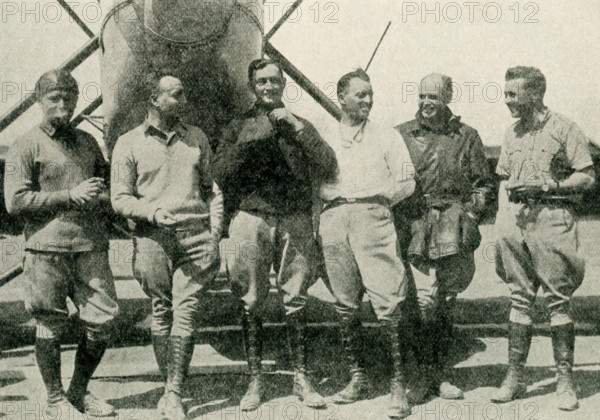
x=576, y=145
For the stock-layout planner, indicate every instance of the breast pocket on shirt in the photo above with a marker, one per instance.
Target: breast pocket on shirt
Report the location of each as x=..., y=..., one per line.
x=545, y=153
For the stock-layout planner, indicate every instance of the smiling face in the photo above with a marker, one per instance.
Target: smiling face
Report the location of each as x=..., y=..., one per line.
x=433, y=96
x=521, y=101
x=58, y=107
x=357, y=100
x=268, y=84
x=170, y=98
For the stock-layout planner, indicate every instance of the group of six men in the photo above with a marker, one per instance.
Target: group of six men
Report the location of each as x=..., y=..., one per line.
x=398, y=210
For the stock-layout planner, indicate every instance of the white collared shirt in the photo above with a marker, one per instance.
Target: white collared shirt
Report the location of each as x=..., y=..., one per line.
x=372, y=160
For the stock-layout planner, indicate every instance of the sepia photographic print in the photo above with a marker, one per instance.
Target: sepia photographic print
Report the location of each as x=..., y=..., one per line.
x=299, y=209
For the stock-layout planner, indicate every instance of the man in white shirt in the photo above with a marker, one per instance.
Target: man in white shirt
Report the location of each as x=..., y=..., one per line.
x=358, y=236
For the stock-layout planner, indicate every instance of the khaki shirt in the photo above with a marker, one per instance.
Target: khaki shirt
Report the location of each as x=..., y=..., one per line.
x=553, y=149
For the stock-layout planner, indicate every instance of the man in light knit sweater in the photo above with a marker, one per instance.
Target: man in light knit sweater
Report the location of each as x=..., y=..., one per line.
x=358, y=236
x=55, y=181
x=161, y=182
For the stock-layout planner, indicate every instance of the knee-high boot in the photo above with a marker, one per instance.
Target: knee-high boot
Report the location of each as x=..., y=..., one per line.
x=519, y=342
x=89, y=353
x=426, y=383
x=47, y=354
x=252, y=334
x=563, y=344
x=352, y=342
x=442, y=339
x=303, y=387
x=399, y=407
x=436, y=339
x=180, y=354
x=160, y=344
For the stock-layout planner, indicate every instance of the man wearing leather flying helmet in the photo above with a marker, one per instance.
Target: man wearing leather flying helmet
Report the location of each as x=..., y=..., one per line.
x=55, y=180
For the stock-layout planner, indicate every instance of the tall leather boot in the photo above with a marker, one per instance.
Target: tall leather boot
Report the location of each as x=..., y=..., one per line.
x=47, y=354
x=252, y=334
x=519, y=342
x=180, y=354
x=87, y=358
x=563, y=344
x=352, y=340
x=442, y=340
x=399, y=407
x=160, y=344
x=427, y=382
x=303, y=387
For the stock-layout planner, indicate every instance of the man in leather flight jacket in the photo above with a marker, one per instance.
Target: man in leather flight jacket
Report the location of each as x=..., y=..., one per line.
x=438, y=226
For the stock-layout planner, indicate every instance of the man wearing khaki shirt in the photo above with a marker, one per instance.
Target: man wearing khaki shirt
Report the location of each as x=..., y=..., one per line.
x=161, y=181
x=545, y=166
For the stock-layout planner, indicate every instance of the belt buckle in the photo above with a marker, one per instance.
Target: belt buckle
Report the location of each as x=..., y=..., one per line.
x=351, y=200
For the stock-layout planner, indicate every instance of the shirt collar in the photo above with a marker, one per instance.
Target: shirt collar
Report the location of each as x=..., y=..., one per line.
x=522, y=127
x=354, y=134
x=450, y=122
x=150, y=129
x=261, y=109
x=66, y=133
x=540, y=123
x=48, y=129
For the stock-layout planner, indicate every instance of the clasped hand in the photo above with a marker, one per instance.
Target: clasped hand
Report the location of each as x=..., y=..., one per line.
x=87, y=191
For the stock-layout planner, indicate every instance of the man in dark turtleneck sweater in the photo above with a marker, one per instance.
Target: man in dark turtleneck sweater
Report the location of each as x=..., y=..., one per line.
x=439, y=227
x=267, y=163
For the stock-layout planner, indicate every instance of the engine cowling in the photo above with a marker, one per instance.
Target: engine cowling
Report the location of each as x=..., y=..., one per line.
x=207, y=44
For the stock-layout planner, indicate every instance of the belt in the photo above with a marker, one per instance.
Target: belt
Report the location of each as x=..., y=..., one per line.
x=364, y=200
x=440, y=203
x=557, y=202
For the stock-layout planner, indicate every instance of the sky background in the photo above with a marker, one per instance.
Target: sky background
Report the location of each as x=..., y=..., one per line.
x=473, y=42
